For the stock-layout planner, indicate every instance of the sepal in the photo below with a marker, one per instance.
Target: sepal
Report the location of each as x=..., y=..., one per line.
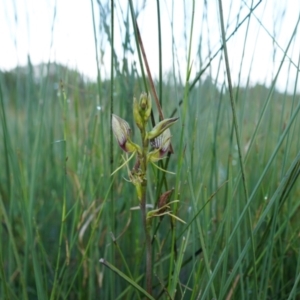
x=161, y=127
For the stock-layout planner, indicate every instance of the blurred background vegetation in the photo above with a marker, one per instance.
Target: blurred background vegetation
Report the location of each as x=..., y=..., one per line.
x=61, y=211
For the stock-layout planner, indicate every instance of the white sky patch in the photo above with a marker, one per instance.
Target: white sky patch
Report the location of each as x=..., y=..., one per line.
x=62, y=31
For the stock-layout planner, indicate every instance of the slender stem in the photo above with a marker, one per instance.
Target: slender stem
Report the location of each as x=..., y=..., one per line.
x=147, y=228
x=112, y=202
x=63, y=213
x=148, y=240
x=159, y=52
x=238, y=141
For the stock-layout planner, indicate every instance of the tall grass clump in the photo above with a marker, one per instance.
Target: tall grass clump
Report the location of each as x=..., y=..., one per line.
x=200, y=202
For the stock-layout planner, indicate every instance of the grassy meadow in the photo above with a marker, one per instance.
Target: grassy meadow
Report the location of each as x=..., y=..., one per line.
x=236, y=161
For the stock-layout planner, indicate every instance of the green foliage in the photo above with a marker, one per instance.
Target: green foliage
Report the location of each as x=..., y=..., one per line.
x=61, y=211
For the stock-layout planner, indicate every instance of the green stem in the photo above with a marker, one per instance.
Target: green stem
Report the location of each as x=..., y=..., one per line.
x=143, y=161
x=148, y=240
x=63, y=213
x=237, y=135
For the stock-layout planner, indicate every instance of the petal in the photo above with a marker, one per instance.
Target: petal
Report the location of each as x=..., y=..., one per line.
x=163, y=141
x=121, y=130
x=161, y=146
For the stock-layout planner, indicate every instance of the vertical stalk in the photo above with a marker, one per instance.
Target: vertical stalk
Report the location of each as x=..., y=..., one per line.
x=146, y=225
x=238, y=141
x=112, y=204
x=181, y=150
x=159, y=52
x=63, y=212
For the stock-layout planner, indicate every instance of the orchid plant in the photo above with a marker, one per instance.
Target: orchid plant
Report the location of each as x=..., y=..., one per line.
x=155, y=144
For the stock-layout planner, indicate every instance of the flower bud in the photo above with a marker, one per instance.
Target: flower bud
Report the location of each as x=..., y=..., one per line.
x=160, y=128
x=145, y=105
x=136, y=114
x=121, y=130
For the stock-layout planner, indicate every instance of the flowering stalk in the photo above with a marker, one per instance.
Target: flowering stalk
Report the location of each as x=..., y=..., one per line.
x=141, y=112
x=159, y=138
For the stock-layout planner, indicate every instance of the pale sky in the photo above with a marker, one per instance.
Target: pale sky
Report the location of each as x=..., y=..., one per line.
x=62, y=31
